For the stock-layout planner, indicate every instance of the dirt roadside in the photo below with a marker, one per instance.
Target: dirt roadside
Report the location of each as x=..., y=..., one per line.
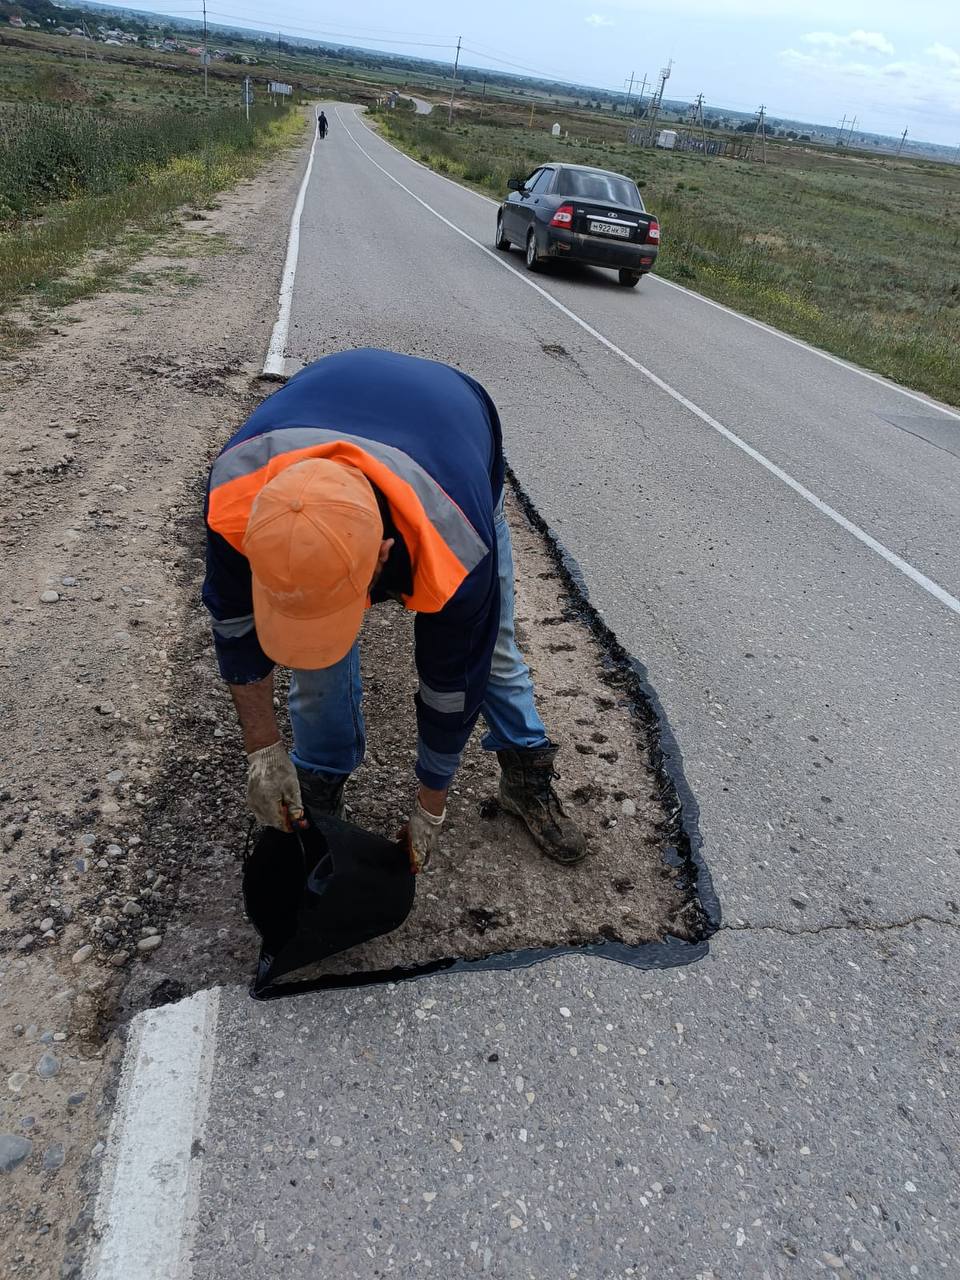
x=121, y=776
x=102, y=423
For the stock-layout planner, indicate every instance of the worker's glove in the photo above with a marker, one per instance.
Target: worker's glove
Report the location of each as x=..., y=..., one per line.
x=273, y=790
x=421, y=836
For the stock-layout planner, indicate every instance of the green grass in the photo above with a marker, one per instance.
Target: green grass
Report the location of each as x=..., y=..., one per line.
x=859, y=255
x=78, y=245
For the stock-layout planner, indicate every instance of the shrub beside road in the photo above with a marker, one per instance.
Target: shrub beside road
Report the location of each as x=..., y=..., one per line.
x=858, y=254
x=92, y=180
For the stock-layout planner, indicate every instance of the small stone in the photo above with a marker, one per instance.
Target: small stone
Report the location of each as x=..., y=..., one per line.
x=46, y=924
x=46, y=1037
x=16, y=1081
x=115, y=775
x=49, y=597
x=119, y=959
x=131, y=908
x=13, y=1151
x=149, y=944
x=48, y=1066
x=68, y=582
x=82, y=953
x=628, y=809
x=28, y=1122
x=114, y=850
x=429, y=1196
x=105, y=708
x=54, y=1157
x=564, y=1012
x=71, y=433
x=25, y=941
x=59, y=1037
x=75, y=1099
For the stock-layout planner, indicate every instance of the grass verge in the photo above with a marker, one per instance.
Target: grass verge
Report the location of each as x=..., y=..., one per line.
x=79, y=245
x=858, y=255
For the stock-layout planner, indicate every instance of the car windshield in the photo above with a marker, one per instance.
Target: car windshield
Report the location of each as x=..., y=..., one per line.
x=606, y=187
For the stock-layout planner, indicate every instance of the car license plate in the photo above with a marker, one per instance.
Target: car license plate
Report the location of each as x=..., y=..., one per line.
x=609, y=229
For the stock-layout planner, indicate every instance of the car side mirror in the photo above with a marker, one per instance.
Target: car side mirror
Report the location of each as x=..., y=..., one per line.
x=515, y=184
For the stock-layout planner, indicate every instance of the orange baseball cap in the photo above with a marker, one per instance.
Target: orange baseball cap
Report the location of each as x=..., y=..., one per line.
x=312, y=540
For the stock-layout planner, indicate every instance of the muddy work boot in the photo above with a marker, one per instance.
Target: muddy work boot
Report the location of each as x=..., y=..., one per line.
x=526, y=789
x=322, y=795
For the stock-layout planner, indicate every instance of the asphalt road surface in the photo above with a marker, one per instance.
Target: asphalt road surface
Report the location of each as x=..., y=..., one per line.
x=775, y=537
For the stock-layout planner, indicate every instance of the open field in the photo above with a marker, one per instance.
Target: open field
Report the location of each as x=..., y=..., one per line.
x=859, y=255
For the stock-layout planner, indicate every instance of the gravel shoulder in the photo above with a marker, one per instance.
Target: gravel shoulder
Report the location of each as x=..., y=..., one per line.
x=102, y=424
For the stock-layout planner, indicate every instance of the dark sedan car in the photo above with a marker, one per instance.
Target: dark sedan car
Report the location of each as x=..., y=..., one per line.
x=573, y=213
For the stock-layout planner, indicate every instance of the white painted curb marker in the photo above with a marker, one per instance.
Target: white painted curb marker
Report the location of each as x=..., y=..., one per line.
x=146, y=1210
x=274, y=365
x=921, y=580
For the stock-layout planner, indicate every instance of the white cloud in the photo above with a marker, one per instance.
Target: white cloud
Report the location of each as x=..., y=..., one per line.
x=943, y=53
x=878, y=86
x=870, y=40
x=598, y=20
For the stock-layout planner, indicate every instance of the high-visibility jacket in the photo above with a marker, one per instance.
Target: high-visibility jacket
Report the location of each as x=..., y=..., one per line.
x=428, y=438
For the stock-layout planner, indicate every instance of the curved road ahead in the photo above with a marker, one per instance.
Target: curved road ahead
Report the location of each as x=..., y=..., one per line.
x=775, y=536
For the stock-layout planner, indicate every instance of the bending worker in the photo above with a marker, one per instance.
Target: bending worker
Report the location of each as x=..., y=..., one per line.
x=372, y=476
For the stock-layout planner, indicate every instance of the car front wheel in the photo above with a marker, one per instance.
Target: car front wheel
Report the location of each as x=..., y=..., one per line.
x=533, y=255
x=501, y=241
x=629, y=279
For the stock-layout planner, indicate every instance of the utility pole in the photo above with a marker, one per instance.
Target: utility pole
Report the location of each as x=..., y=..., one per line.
x=626, y=101
x=761, y=133
x=843, y=125
x=903, y=139
x=453, y=87
x=530, y=121
x=640, y=99
x=204, y=48
x=698, y=115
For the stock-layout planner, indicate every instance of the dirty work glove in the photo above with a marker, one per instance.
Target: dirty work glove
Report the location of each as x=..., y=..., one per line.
x=421, y=836
x=273, y=791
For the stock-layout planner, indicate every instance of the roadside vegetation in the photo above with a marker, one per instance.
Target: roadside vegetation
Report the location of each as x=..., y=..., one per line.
x=83, y=183
x=857, y=254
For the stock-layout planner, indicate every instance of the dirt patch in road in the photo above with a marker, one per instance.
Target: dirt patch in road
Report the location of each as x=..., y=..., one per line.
x=103, y=421
x=489, y=890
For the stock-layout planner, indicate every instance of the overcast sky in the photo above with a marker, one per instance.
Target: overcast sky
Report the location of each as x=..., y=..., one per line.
x=892, y=64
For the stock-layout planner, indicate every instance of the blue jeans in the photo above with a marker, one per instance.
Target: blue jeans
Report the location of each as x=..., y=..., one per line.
x=327, y=719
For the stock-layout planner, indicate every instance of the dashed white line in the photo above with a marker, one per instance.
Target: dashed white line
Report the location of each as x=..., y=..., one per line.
x=908, y=570
x=146, y=1209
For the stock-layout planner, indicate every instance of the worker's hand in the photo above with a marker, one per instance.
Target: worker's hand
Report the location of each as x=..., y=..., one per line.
x=273, y=791
x=421, y=836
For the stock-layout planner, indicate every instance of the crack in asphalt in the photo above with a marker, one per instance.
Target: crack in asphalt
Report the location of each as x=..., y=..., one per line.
x=849, y=926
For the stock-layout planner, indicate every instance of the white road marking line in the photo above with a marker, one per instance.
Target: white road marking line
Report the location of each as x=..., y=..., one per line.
x=273, y=365
x=709, y=302
x=921, y=580
x=146, y=1209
